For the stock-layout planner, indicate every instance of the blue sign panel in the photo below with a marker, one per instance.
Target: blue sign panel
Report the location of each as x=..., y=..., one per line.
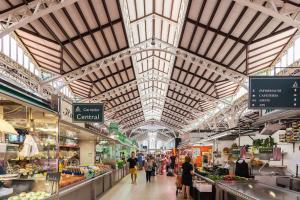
x=278, y=92
x=88, y=112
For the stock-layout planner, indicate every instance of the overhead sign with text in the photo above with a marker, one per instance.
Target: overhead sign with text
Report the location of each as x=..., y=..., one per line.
x=88, y=112
x=281, y=92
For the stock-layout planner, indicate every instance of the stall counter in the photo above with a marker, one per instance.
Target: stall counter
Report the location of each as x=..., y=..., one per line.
x=252, y=190
x=91, y=189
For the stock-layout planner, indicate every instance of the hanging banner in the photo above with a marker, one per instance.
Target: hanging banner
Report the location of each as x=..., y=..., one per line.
x=280, y=92
x=88, y=112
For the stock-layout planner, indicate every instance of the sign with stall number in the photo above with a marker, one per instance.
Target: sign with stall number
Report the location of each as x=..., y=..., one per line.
x=88, y=112
x=280, y=92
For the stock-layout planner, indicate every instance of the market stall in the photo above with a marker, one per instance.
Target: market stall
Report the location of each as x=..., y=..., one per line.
x=28, y=145
x=44, y=156
x=90, y=167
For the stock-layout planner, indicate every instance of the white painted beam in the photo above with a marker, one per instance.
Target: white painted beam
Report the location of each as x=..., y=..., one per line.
x=225, y=72
x=270, y=10
x=19, y=17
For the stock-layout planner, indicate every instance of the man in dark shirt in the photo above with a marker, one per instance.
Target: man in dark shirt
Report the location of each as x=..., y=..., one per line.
x=132, y=167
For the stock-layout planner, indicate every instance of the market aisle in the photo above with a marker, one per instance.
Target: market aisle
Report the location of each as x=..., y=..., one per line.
x=161, y=188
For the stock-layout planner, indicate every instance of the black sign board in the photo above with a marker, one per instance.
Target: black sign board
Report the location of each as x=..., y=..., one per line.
x=53, y=176
x=280, y=92
x=88, y=112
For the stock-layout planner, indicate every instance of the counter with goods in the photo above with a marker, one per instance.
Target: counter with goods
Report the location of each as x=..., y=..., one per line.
x=44, y=157
x=252, y=190
x=205, y=184
x=85, y=182
x=91, y=169
x=28, y=145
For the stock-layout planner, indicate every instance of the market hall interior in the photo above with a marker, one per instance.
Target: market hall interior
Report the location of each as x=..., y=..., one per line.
x=198, y=99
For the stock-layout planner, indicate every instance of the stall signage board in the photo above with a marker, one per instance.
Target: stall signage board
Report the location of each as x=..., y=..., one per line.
x=88, y=112
x=280, y=92
x=114, y=127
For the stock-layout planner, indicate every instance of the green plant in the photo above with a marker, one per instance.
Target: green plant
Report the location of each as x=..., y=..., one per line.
x=258, y=143
x=120, y=164
x=268, y=142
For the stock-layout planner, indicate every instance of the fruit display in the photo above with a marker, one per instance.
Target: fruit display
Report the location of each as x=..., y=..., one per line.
x=30, y=196
x=67, y=179
x=104, y=168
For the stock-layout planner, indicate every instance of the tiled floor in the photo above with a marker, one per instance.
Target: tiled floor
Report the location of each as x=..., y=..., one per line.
x=161, y=188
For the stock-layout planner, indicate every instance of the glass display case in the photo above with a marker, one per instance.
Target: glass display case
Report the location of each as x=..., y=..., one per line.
x=28, y=149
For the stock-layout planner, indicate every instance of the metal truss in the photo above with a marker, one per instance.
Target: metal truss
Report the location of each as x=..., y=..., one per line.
x=144, y=135
x=150, y=122
x=230, y=114
x=285, y=12
x=153, y=16
x=154, y=77
x=17, y=72
x=121, y=118
x=72, y=76
x=149, y=97
x=124, y=105
x=130, y=124
x=22, y=15
x=181, y=124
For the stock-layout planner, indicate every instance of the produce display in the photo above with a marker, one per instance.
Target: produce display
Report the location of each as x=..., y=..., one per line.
x=291, y=134
x=30, y=196
x=67, y=179
x=120, y=164
x=73, y=174
x=68, y=154
x=226, y=178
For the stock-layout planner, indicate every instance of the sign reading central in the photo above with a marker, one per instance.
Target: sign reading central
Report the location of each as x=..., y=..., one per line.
x=281, y=92
x=88, y=112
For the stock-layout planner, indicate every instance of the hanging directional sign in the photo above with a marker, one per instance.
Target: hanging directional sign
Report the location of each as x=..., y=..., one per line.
x=280, y=92
x=88, y=112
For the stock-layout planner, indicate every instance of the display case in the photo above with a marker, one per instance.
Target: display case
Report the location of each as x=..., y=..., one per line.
x=82, y=175
x=28, y=146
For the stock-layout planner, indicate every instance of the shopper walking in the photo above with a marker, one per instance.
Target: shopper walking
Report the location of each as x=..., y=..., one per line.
x=187, y=173
x=162, y=164
x=133, y=167
x=157, y=161
x=173, y=161
x=140, y=161
x=148, y=168
x=168, y=162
